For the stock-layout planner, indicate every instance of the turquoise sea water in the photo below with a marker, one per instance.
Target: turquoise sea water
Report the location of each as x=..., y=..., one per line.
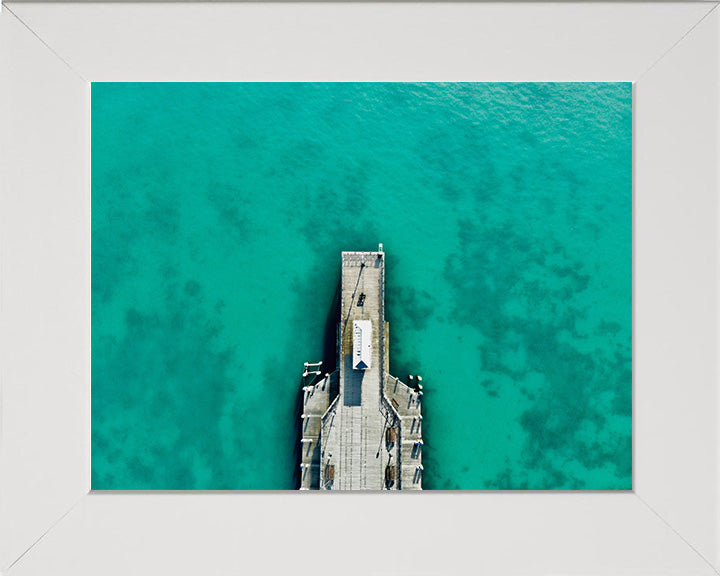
x=219, y=212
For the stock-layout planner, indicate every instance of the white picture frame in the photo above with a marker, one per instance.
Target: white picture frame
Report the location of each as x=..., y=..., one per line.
x=50, y=522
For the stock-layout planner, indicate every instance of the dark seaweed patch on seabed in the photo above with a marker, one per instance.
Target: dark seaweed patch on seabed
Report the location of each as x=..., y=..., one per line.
x=417, y=305
x=577, y=379
x=331, y=233
x=228, y=203
x=170, y=350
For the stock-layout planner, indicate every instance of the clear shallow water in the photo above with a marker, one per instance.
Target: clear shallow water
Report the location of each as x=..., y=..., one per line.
x=219, y=212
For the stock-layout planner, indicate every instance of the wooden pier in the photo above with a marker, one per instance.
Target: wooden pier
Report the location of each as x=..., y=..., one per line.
x=361, y=428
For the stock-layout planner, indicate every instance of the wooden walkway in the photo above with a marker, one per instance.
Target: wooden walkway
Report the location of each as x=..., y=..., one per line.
x=316, y=400
x=369, y=436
